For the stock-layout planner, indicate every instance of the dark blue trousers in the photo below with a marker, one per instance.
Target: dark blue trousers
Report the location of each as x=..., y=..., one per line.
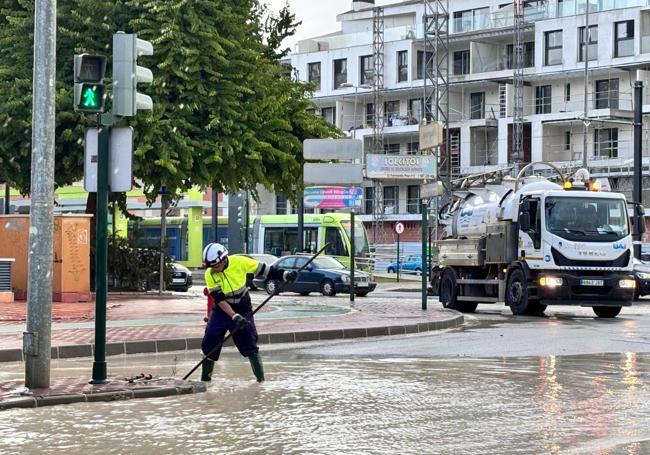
x=219, y=323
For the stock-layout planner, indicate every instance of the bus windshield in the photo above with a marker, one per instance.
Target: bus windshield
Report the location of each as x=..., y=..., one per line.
x=587, y=219
x=360, y=238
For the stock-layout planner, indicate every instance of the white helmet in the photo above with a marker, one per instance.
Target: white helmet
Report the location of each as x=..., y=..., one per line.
x=213, y=254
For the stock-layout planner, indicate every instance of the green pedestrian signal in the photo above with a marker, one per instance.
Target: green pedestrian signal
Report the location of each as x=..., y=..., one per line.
x=89, y=83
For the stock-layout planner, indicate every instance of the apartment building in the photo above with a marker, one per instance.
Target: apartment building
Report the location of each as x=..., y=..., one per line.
x=481, y=59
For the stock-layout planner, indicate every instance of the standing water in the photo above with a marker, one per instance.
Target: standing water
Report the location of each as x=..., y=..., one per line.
x=312, y=405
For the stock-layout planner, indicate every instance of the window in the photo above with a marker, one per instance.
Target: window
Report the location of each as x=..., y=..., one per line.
x=413, y=148
x=543, y=99
x=476, y=19
x=413, y=199
x=336, y=246
x=280, y=241
x=529, y=55
x=553, y=48
x=390, y=199
x=606, y=143
x=370, y=114
x=421, y=63
x=391, y=111
x=415, y=109
x=369, y=200
x=391, y=149
x=280, y=204
x=623, y=38
x=461, y=62
x=477, y=105
x=593, y=43
x=402, y=66
x=535, y=217
x=607, y=94
x=366, y=65
x=567, y=140
x=329, y=114
x=314, y=74
x=567, y=92
x=340, y=72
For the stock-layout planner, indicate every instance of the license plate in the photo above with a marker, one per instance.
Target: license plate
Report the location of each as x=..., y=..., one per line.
x=592, y=282
x=178, y=280
x=362, y=285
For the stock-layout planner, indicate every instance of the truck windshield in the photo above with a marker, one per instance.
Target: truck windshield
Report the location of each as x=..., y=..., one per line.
x=591, y=220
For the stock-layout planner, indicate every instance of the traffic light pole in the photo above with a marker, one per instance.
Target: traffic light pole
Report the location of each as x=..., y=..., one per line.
x=101, y=251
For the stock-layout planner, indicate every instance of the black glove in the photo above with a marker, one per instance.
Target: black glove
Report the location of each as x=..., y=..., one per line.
x=240, y=321
x=290, y=276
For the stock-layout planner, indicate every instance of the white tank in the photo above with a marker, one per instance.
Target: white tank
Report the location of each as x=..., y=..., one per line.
x=489, y=205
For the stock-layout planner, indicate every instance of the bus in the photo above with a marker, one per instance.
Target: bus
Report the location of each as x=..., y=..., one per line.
x=268, y=234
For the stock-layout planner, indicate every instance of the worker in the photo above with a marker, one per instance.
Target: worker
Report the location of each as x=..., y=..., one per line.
x=225, y=278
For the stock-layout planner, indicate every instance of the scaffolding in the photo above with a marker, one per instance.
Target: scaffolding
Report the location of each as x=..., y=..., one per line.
x=379, y=118
x=518, y=85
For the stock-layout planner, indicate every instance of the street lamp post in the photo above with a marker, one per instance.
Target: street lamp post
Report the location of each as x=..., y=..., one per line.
x=356, y=95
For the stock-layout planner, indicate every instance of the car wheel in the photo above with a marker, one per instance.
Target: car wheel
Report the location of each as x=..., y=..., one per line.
x=362, y=294
x=327, y=288
x=271, y=287
x=391, y=270
x=606, y=311
x=418, y=271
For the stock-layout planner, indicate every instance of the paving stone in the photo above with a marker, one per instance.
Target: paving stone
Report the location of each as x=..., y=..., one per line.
x=171, y=345
x=53, y=400
x=81, y=350
x=140, y=347
x=22, y=402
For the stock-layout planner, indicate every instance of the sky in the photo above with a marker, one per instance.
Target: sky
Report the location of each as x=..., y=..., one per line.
x=318, y=16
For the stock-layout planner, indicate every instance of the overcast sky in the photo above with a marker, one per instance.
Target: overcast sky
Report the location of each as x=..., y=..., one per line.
x=318, y=16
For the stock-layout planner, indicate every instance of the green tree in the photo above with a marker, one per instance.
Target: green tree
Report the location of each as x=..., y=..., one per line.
x=223, y=115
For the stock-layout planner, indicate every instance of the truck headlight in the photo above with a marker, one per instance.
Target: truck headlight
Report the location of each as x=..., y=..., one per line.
x=627, y=284
x=345, y=279
x=551, y=281
x=643, y=275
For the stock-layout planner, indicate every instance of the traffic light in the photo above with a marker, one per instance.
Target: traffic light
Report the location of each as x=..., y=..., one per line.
x=89, y=83
x=127, y=74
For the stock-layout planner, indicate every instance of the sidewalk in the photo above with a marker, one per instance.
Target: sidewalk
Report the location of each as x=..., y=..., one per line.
x=151, y=323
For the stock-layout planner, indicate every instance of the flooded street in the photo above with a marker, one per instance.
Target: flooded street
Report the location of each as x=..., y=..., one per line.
x=311, y=404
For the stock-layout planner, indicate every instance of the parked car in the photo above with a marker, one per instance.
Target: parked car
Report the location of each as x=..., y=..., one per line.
x=411, y=264
x=642, y=276
x=181, y=278
x=267, y=259
x=325, y=275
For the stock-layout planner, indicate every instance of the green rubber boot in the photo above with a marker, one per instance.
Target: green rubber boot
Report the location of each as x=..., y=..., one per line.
x=256, y=365
x=206, y=370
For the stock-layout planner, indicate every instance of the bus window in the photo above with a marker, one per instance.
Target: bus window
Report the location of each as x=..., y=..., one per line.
x=360, y=239
x=336, y=246
x=311, y=239
x=280, y=241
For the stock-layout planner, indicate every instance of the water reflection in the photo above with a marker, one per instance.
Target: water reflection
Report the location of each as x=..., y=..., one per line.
x=314, y=405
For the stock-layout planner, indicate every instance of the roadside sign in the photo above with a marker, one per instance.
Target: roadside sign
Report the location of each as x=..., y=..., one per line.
x=333, y=174
x=333, y=197
x=120, y=160
x=399, y=228
x=430, y=190
x=332, y=149
x=401, y=166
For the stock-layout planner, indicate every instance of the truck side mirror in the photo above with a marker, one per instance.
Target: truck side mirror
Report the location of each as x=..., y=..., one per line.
x=640, y=210
x=525, y=207
x=640, y=224
x=524, y=221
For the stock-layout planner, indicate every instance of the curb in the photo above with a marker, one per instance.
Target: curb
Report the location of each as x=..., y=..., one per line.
x=119, y=393
x=190, y=344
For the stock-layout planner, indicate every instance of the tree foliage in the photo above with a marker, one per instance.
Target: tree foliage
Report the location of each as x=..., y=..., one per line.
x=224, y=115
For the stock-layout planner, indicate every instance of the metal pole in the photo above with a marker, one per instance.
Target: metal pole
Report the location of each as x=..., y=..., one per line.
x=301, y=221
x=7, y=198
x=585, y=122
x=423, y=211
x=398, y=264
x=163, y=237
x=101, y=256
x=37, y=338
x=638, y=163
x=246, y=222
x=215, y=214
x=352, y=247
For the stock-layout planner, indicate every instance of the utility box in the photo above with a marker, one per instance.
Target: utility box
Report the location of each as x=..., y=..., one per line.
x=460, y=252
x=6, y=287
x=501, y=243
x=71, y=258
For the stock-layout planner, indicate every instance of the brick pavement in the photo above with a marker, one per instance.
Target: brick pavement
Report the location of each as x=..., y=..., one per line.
x=155, y=325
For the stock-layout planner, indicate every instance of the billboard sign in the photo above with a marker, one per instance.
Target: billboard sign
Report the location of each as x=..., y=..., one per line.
x=401, y=166
x=333, y=197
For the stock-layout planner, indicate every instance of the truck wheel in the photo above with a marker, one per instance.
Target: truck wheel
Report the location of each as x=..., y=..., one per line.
x=517, y=292
x=448, y=289
x=607, y=311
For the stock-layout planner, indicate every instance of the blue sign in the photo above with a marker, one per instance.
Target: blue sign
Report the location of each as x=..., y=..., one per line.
x=333, y=197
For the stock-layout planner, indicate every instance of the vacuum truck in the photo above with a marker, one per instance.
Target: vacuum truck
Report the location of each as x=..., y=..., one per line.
x=531, y=242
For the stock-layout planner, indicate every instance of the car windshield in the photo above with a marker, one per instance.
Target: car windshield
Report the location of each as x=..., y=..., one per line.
x=587, y=219
x=328, y=263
